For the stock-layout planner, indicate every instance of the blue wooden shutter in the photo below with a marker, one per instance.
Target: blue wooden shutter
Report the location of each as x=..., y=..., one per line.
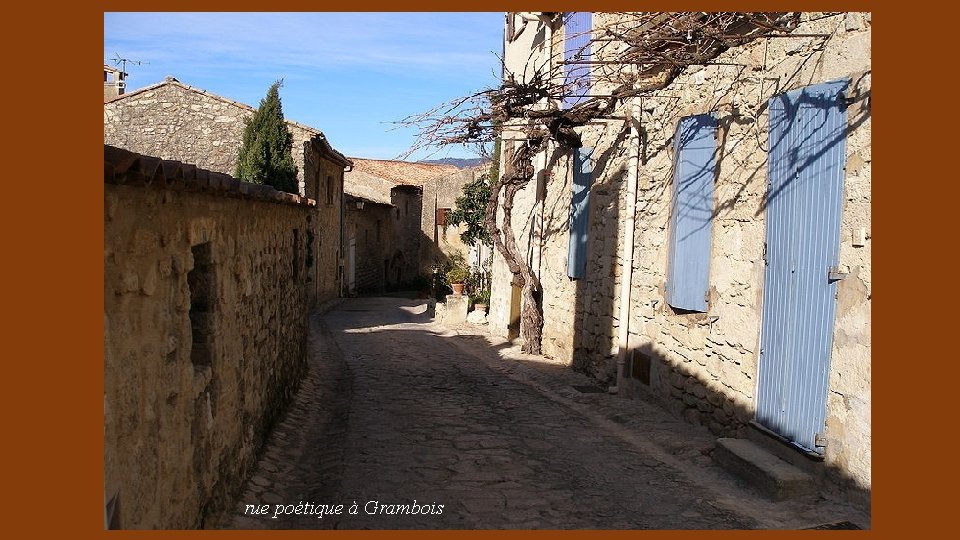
x=691, y=230
x=580, y=212
x=808, y=130
x=576, y=48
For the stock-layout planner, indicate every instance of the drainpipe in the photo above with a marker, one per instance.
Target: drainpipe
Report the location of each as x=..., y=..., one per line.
x=341, y=266
x=626, y=275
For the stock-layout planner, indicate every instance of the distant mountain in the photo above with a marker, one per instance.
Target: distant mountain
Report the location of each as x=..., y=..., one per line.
x=461, y=163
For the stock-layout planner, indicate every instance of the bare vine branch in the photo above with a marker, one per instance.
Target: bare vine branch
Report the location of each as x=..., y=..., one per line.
x=626, y=55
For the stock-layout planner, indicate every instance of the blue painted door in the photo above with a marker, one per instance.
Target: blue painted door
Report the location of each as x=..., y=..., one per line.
x=803, y=208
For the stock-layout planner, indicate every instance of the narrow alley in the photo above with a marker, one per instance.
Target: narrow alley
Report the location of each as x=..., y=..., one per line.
x=426, y=427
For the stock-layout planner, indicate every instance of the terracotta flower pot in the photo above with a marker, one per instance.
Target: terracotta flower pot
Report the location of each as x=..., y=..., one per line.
x=457, y=288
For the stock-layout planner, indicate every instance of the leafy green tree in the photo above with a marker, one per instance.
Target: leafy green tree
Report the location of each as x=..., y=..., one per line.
x=266, y=155
x=471, y=208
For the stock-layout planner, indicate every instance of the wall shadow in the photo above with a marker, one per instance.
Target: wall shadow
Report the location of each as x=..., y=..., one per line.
x=654, y=373
x=657, y=410
x=596, y=317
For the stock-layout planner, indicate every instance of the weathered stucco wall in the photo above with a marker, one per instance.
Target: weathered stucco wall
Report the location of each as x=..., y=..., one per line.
x=705, y=365
x=206, y=297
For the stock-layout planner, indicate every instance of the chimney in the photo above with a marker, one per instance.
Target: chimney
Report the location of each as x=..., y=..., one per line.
x=113, y=82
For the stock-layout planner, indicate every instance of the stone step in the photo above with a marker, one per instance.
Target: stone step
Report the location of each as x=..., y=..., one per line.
x=804, y=460
x=773, y=477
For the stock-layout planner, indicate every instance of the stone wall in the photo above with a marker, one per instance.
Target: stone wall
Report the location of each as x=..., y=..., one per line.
x=704, y=365
x=172, y=120
x=405, y=235
x=386, y=239
x=327, y=182
x=175, y=121
x=206, y=297
x=370, y=228
x=441, y=193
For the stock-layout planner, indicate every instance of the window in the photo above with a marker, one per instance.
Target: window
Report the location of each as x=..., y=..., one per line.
x=330, y=189
x=296, y=254
x=442, y=215
x=202, y=283
x=576, y=57
x=691, y=215
x=580, y=212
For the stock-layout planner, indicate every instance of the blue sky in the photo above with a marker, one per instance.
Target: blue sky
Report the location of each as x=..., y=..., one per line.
x=349, y=75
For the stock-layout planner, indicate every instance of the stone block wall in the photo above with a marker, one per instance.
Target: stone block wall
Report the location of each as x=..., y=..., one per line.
x=175, y=121
x=206, y=301
x=438, y=193
x=705, y=365
x=172, y=120
x=403, y=250
x=370, y=228
x=327, y=183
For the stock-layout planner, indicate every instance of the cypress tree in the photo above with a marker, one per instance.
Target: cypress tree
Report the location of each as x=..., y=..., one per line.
x=266, y=155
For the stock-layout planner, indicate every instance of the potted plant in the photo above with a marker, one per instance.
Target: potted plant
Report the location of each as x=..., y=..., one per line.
x=457, y=273
x=481, y=299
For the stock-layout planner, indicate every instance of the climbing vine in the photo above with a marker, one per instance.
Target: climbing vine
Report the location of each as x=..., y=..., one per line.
x=633, y=54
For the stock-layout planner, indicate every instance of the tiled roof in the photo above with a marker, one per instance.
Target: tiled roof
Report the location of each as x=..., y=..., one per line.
x=402, y=172
x=129, y=168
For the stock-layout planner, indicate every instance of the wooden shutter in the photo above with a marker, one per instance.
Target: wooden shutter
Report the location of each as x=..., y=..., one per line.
x=576, y=48
x=691, y=219
x=580, y=212
x=442, y=214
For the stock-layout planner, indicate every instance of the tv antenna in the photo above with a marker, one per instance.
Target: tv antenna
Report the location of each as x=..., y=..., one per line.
x=122, y=62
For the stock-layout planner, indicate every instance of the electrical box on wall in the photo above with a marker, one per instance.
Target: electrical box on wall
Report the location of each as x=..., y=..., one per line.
x=860, y=237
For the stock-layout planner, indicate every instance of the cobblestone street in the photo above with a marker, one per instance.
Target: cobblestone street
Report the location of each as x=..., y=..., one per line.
x=397, y=410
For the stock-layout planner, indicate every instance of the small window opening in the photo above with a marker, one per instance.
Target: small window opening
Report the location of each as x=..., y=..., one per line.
x=202, y=283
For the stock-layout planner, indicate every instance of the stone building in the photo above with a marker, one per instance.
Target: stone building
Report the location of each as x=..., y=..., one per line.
x=668, y=252
x=441, y=238
x=383, y=218
x=175, y=121
x=206, y=296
